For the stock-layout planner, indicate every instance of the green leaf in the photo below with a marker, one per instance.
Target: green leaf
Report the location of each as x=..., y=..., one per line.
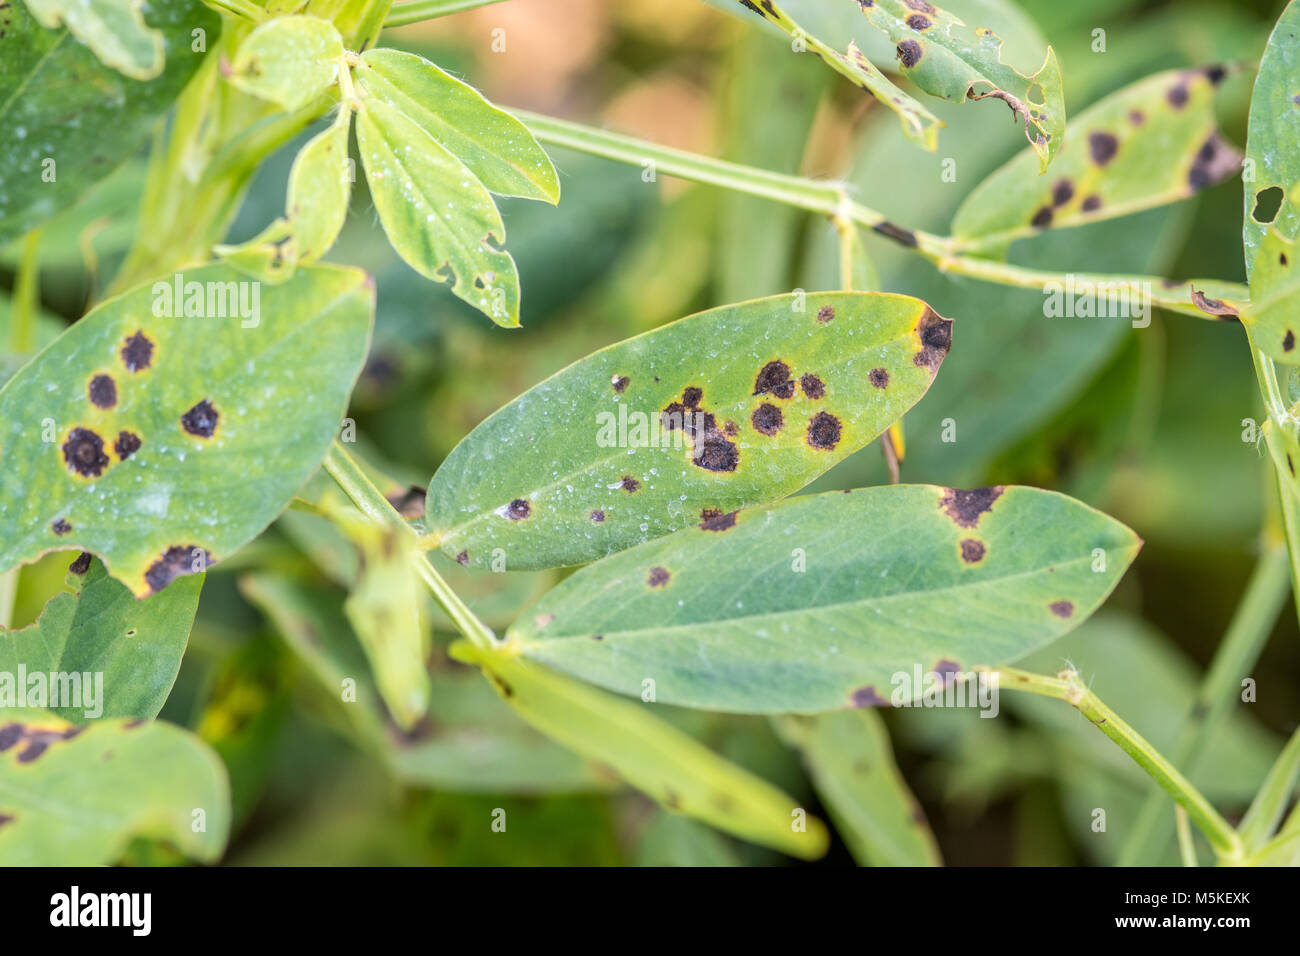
x=939, y=55
x=498, y=149
x=820, y=602
x=114, y=29
x=76, y=796
x=122, y=653
x=437, y=215
x=1149, y=144
x=1273, y=138
x=320, y=184
x=852, y=765
x=68, y=119
x=672, y=840
x=168, y=428
x=652, y=755
x=1272, y=315
x=290, y=61
x=761, y=398
x=919, y=124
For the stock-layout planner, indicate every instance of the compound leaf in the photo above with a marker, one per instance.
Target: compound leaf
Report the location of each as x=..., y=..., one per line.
x=651, y=754
x=818, y=603
x=121, y=654
x=113, y=29
x=682, y=425
x=171, y=424
x=498, y=149
x=437, y=214
x=1149, y=144
x=76, y=796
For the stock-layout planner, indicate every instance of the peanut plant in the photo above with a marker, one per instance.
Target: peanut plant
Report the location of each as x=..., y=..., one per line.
x=672, y=566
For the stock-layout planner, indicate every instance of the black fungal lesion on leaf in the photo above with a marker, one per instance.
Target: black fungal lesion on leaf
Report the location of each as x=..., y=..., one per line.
x=629, y=484
x=518, y=510
x=1102, y=147
x=774, y=379
x=712, y=448
x=1214, y=162
x=31, y=741
x=597, y=516
x=867, y=697
x=767, y=419
x=715, y=519
x=935, y=334
x=202, y=419
x=81, y=564
x=897, y=233
x=175, y=562
x=619, y=383
x=1213, y=306
x=83, y=452
x=102, y=391
x=408, y=502
x=137, y=352
x=878, y=377
x=463, y=559
x=909, y=53
x=824, y=431
x=1062, y=609
x=973, y=550
x=966, y=507
x=658, y=577
x=61, y=527
x=812, y=386
x=825, y=314
x=127, y=444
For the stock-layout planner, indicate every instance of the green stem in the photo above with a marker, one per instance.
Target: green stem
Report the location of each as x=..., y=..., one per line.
x=27, y=296
x=417, y=10
x=833, y=199
x=371, y=503
x=1186, y=848
x=1271, y=801
x=1069, y=687
x=1242, y=643
x=239, y=8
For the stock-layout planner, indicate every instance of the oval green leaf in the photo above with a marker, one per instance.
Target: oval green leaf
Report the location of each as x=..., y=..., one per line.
x=1149, y=144
x=114, y=29
x=77, y=796
x=723, y=409
x=651, y=754
x=171, y=424
x=115, y=655
x=437, y=215
x=290, y=61
x=819, y=603
x=501, y=151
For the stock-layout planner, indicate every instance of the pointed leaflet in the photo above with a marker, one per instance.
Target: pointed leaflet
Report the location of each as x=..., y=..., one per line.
x=164, y=443
x=497, y=148
x=1273, y=313
x=1149, y=144
x=122, y=653
x=817, y=603
x=938, y=54
x=114, y=29
x=652, y=755
x=919, y=124
x=852, y=766
x=67, y=119
x=290, y=61
x=437, y=215
x=726, y=408
x=1273, y=136
x=76, y=796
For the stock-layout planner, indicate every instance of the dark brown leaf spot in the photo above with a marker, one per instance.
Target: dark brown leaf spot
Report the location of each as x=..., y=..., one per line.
x=936, y=338
x=825, y=314
x=658, y=577
x=102, y=391
x=176, y=561
x=1290, y=464
x=1102, y=147
x=1211, y=306
x=972, y=551
x=1062, y=608
x=463, y=558
x=519, y=509
x=127, y=444
x=691, y=396
x=919, y=22
x=824, y=431
x=61, y=527
x=1288, y=341
x=947, y=671
x=84, y=453
x=629, y=484
x=33, y=750
x=10, y=734
x=598, y=637
x=137, y=352
x=597, y=516
x=767, y=419
x=201, y=420
x=867, y=697
x=812, y=386
x=1042, y=218
x=1091, y=203
x=909, y=53
x=1177, y=95
x=774, y=379
x=1215, y=160
x=6, y=817
x=620, y=383
x=878, y=377
x=1215, y=74
x=1062, y=192
x=966, y=507
x=712, y=519
x=82, y=563
x=1136, y=117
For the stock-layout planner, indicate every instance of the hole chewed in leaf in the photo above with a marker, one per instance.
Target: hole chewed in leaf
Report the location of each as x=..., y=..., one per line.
x=1267, y=203
x=966, y=507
